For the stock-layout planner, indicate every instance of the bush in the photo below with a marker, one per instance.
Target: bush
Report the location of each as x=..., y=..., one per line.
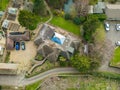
x=112, y=1
x=82, y=19
x=107, y=75
x=101, y=17
x=28, y=19
x=77, y=21
x=67, y=17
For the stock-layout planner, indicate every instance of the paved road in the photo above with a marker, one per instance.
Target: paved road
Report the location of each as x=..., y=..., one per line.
x=21, y=81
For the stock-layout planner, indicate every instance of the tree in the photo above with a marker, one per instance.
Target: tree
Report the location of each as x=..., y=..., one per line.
x=28, y=19
x=56, y=4
x=89, y=27
x=39, y=7
x=82, y=63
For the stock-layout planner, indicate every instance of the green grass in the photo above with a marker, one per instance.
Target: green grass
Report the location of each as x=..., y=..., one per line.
x=3, y=4
x=33, y=86
x=99, y=34
x=66, y=24
x=116, y=58
x=91, y=83
x=7, y=58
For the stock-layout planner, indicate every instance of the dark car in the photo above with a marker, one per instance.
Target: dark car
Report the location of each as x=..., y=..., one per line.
x=23, y=45
x=17, y=45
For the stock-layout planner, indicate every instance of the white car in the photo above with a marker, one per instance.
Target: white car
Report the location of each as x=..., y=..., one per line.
x=107, y=26
x=118, y=27
x=117, y=43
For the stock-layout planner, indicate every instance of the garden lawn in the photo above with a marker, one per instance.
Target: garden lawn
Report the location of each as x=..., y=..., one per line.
x=66, y=24
x=116, y=58
x=33, y=86
x=3, y=4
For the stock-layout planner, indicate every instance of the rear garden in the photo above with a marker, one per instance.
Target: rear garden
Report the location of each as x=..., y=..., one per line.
x=116, y=58
x=67, y=25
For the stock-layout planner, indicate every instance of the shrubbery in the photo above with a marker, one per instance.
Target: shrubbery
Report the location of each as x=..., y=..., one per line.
x=107, y=75
x=77, y=21
x=28, y=19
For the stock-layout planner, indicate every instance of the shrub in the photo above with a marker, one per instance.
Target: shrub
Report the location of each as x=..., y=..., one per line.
x=101, y=17
x=82, y=19
x=67, y=17
x=77, y=21
x=107, y=75
x=112, y=1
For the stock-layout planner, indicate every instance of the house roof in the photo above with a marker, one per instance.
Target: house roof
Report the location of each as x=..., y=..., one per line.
x=8, y=66
x=113, y=12
x=98, y=8
x=9, y=44
x=12, y=10
x=20, y=37
x=16, y=37
x=1, y=13
x=113, y=6
x=5, y=24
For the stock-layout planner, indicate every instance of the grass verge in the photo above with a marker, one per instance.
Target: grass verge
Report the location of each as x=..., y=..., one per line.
x=33, y=86
x=116, y=58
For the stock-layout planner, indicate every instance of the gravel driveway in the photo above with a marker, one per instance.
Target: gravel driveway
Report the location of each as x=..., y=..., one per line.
x=24, y=57
x=113, y=35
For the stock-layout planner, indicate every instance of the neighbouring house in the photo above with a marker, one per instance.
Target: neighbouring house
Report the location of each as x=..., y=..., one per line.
x=112, y=11
x=13, y=37
x=99, y=8
x=1, y=13
x=12, y=10
x=12, y=13
x=53, y=43
x=5, y=24
x=90, y=9
x=8, y=68
x=8, y=25
x=1, y=50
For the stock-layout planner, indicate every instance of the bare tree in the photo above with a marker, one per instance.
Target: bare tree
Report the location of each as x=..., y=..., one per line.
x=82, y=7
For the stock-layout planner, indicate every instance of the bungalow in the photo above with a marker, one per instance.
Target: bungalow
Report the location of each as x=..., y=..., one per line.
x=112, y=12
x=15, y=37
x=53, y=44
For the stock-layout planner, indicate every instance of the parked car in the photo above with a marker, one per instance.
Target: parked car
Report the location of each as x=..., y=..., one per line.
x=118, y=27
x=107, y=26
x=23, y=45
x=117, y=43
x=17, y=45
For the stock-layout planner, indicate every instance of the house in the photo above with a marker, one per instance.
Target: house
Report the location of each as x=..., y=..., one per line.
x=13, y=37
x=54, y=43
x=12, y=10
x=1, y=13
x=5, y=24
x=112, y=11
x=99, y=8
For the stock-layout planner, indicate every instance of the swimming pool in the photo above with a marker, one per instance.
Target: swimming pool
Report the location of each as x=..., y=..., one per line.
x=58, y=38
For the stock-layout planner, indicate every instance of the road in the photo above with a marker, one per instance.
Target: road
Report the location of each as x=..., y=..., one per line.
x=20, y=80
